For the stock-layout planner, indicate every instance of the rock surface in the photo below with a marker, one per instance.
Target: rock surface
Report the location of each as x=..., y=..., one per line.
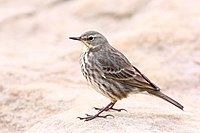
x=42, y=88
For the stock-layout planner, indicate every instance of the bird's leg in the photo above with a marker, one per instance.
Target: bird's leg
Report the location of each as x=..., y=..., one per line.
x=119, y=110
x=90, y=117
x=108, y=107
x=111, y=108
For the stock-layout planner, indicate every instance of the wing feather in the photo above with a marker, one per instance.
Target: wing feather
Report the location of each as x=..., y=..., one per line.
x=130, y=76
x=117, y=67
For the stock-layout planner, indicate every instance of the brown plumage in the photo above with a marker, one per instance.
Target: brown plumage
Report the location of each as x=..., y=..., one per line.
x=110, y=73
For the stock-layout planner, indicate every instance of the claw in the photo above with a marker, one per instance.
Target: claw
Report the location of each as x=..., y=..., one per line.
x=87, y=115
x=105, y=116
x=100, y=108
x=119, y=110
x=90, y=117
x=87, y=118
x=81, y=118
x=96, y=108
x=108, y=107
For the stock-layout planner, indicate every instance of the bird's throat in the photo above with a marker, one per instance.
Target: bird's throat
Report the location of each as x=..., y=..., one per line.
x=87, y=47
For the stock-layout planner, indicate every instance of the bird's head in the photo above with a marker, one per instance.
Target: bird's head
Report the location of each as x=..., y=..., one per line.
x=91, y=39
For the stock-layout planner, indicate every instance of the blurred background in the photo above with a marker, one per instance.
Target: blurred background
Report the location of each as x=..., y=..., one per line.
x=39, y=66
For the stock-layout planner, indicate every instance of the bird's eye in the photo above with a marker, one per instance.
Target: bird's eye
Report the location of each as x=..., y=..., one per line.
x=91, y=38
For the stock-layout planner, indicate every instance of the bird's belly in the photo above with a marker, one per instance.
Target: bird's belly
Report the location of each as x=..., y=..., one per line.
x=97, y=83
x=108, y=88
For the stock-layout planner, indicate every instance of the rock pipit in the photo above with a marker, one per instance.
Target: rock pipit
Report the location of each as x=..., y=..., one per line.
x=110, y=73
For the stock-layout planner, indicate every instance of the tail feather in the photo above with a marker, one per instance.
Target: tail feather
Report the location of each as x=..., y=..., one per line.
x=165, y=97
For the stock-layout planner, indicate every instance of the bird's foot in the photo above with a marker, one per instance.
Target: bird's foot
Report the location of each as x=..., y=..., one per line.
x=90, y=117
x=109, y=106
x=119, y=110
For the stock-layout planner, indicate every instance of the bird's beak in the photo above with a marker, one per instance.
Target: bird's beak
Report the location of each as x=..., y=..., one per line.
x=75, y=38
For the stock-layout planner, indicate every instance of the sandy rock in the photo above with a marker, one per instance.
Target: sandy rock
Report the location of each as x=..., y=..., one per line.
x=43, y=90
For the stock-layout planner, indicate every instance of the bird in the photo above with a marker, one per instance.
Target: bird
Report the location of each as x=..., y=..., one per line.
x=111, y=74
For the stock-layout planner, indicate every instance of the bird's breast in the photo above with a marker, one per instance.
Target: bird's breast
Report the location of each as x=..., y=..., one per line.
x=85, y=64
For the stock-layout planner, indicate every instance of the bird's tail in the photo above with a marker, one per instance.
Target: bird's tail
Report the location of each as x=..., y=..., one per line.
x=165, y=97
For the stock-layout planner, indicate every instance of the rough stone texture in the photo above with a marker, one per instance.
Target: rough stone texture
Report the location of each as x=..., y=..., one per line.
x=42, y=88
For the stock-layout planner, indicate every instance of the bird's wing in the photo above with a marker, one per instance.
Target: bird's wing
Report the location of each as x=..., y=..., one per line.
x=131, y=76
x=117, y=67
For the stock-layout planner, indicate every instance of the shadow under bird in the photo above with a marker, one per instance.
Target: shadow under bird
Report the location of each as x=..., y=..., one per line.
x=110, y=73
